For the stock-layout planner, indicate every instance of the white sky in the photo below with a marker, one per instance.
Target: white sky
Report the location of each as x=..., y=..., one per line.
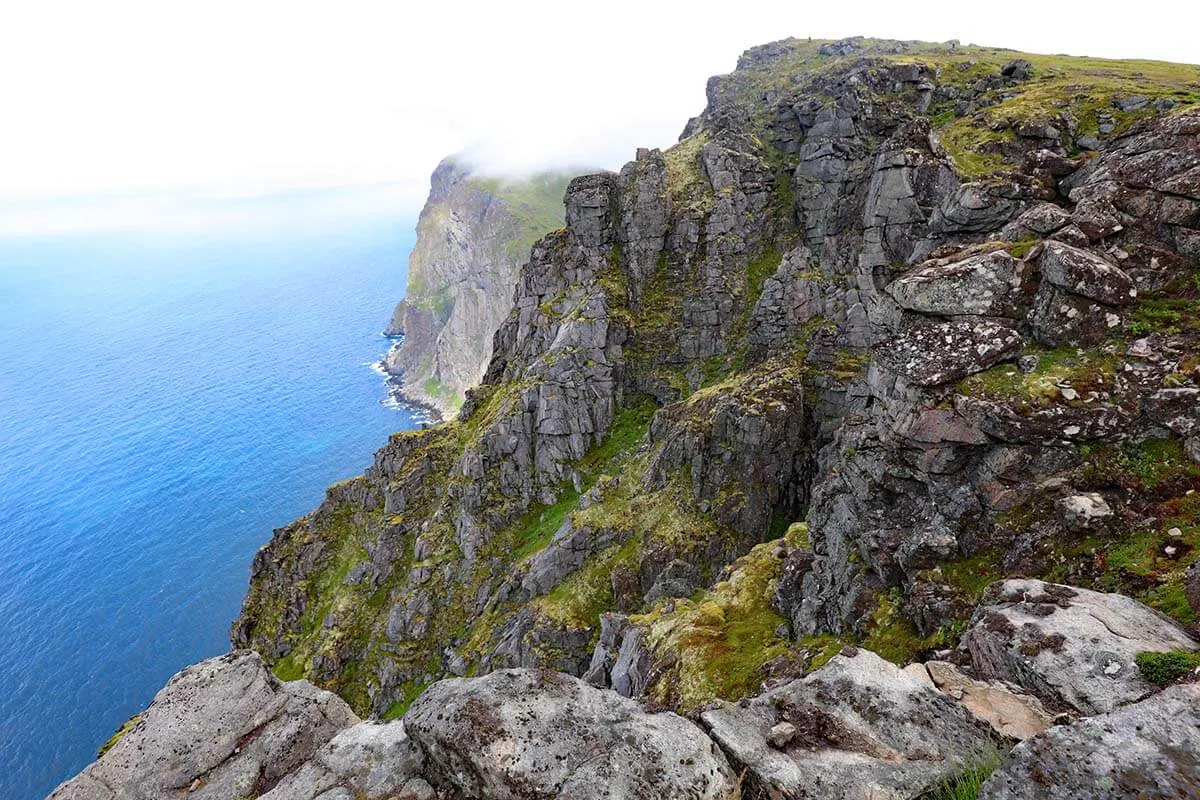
x=125, y=99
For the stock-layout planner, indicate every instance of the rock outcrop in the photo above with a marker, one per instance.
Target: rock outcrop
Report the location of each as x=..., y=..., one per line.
x=472, y=237
x=895, y=355
x=527, y=733
x=226, y=728
x=857, y=727
x=1010, y=712
x=1071, y=646
x=222, y=728
x=1146, y=750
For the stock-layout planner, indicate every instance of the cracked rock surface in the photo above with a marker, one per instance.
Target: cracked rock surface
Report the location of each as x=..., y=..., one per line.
x=1071, y=646
x=220, y=729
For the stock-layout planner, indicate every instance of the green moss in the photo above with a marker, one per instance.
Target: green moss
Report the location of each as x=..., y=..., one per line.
x=1169, y=316
x=1147, y=466
x=1081, y=370
x=119, y=734
x=849, y=364
x=821, y=648
x=288, y=668
x=722, y=638
x=1021, y=249
x=1163, y=669
x=398, y=708
x=759, y=268
x=972, y=575
x=889, y=634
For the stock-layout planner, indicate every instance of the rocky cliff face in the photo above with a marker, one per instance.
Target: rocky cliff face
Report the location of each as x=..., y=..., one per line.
x=472, y=237
x=894, y=323
x=936, y=302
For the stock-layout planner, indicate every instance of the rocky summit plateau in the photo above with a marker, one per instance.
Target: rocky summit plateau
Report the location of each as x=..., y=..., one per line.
x=849, y=448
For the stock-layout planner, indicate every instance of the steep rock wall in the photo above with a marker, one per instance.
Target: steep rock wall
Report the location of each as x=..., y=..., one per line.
x=473, y=234
x=922, y=297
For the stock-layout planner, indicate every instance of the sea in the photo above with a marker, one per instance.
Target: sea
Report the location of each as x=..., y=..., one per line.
x=167, y=399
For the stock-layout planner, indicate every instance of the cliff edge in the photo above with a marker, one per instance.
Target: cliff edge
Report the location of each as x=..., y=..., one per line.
x=894, y=359
x=473, y=234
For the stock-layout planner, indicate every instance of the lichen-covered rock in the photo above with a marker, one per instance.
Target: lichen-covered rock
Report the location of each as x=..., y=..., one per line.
x=367, y=761
x=1085, y=274
x=931, y=354
x=987, y=284
x=1148, y=750
x=863, y=728
x=529, y=733
x=223, y=728
x=1069, y=646
x=1061, y=318
x=1083, y=510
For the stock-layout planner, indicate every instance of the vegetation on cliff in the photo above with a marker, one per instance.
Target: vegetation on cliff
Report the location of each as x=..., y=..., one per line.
x=714, y=350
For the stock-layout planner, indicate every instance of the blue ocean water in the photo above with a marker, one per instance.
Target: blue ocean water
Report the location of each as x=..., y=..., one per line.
x=165, y=401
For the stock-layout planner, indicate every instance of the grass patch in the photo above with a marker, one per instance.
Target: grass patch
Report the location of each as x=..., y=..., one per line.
x=686, y=180
x=535, y=203
x=1163, y=669
x=542, y=522
x=1081, y=370
x=628, y=430
x=965, y=785
x=587, y=593
x=759, y=268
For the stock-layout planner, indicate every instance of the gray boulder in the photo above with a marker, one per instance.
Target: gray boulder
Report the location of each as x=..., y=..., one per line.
x=1042, y=219
x=862, y=728
x=1069, y=646
x=1060, y=318
x=986, y=284
x=369, y=761
x=1087, y=275
x=223, y=728
x=937, y=353
x=1149, y=750
x=517, y=734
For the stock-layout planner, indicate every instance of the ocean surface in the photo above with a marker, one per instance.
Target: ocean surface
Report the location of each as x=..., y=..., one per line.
x=165, y=402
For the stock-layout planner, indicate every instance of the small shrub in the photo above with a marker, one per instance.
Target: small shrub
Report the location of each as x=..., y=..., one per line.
x=1163, y=669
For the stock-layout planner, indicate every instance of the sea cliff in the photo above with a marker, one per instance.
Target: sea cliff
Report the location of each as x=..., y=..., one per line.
x=856, y=437
x=473, y=234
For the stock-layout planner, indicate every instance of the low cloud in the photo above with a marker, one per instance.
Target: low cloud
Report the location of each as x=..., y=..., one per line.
x=154, y=98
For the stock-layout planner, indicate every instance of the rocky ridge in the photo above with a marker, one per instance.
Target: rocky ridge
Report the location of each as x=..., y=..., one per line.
x=473, y=234
x=892, y=323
